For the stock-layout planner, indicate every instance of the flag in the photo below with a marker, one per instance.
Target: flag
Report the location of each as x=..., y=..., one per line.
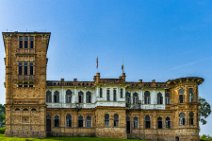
x=97, y=62
x=122, y=68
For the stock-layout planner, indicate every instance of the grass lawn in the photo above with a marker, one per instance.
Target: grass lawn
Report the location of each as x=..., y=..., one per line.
x=3, y=138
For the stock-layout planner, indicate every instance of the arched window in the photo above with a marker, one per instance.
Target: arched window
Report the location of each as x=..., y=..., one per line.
x=116, y=120
x=88, y=121
x=80, y=97
x=48, y=97
x=168, y=122
x=114, y=95
x=68, y=120
x=25, y=109
x=88, y=97
x=56, y=97
x=108, y=94
x=48, y=123
x=107, y=120
x=191, y=118
x=191, y=95
x=56, y=121
x=68, y=96
x=33, y=109
x=167, y=98
x=160, y=123
x=135, y=122
x=135, y=98
x=181, y=95
x=159, y=98
x=17, y=109
x=181, y=119
x=80, y=121
x=128, y=98
x=147, y=121
x=146, y=97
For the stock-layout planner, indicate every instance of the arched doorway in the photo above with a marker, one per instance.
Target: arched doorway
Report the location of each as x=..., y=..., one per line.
x=177, y=138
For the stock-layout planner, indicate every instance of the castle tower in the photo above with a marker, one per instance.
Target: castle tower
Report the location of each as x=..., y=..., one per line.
x=25, y=83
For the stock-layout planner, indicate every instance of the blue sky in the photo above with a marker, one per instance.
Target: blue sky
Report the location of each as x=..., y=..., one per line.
x=159, y=40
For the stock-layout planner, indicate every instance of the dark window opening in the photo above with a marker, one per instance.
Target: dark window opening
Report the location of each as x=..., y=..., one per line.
x=68, y=120
x=147, y=122
x=160, y=123
x=135, y=122
x=80, y=97
x=108, y=94
x=100, y=93
x=26, y=42
x=80, y=121
x=116, y=120
x=146, y=97
x=168, y=122
x=121, y=93
x=56, y=97
x=31, y=69
x=107, y=120
x=20, y=68
x=31, y=42
x=88, y=97
x=56, y=121
x=25, y=68
x=159, y=98
x=191, y=118
x=114, y=95
x=20, y=42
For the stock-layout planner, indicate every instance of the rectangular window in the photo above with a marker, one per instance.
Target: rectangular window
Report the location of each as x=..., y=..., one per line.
x=100, y=92
x=25, y=68
x=20, y=68
x=20, y=42
x=121, y=93
x=25, y=42
x=108, y=94
x=114, y=95
x=31, y=69
x=31, y=42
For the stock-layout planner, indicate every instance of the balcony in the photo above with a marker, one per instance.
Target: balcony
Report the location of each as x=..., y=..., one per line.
x=25, y=51
x=26, y=78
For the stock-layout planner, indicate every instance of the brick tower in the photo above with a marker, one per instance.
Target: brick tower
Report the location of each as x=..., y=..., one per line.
x=25, y=83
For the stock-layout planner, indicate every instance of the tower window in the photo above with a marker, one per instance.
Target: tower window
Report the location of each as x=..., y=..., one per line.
x=191, y=118
x=31, y=42
x=88, y=121
x=25, y=42
x=20, y=68
x=20, y=42
x=168, y=122
x=25, y=68
x=191, y=95
x=135, y=98
x=80, y=97
x=68, y=120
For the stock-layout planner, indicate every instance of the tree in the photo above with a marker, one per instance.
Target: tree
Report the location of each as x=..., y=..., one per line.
x=2, y=115
x=204, y=110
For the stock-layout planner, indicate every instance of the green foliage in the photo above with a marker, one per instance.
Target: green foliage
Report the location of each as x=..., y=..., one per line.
x=2, y=130
x=2, y=115
x=205, y=138
x=3, y=138
x=204, y=110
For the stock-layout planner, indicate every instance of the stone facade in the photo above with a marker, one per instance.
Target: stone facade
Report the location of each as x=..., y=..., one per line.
x=104, y=107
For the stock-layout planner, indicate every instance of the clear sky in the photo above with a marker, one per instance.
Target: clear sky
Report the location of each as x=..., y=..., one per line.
x=155, y=39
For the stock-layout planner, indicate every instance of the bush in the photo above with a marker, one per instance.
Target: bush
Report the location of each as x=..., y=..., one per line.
x=206, y=138
x=2, y=130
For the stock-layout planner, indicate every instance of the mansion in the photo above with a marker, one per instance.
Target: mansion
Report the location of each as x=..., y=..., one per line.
x=102, y=107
